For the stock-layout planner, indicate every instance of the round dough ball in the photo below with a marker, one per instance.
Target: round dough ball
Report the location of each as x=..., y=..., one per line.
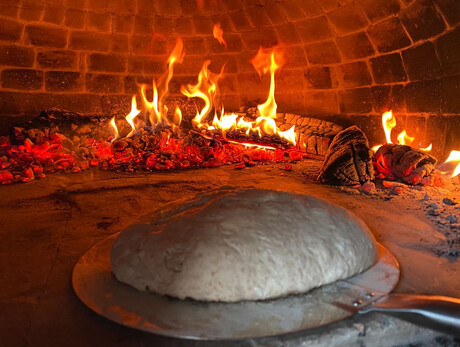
x=244, y=245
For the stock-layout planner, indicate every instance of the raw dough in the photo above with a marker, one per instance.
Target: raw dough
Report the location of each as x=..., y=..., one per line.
x=244, y=245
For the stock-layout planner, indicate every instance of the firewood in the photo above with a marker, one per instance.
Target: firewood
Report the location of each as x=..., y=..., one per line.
x=314, y=135
x=348, y=160
x=403, y=162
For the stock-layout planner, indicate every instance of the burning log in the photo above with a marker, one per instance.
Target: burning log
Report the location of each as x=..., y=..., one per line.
x=314, y=135
x=249, y=140
x=403, y=162
x=348, y=160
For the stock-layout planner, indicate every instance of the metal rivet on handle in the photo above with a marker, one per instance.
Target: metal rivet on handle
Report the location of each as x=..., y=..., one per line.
x=369, y=295
x=357, y=302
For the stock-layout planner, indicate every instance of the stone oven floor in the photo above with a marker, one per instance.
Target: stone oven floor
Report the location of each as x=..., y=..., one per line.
x=47, y=225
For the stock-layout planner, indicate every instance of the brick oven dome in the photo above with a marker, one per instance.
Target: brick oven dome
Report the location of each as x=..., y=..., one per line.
x=343, y=57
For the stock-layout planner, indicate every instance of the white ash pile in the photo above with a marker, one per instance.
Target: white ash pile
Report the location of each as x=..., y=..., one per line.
x=441, y=205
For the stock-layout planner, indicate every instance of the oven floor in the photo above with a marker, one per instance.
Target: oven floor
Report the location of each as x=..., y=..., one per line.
x=46, y=226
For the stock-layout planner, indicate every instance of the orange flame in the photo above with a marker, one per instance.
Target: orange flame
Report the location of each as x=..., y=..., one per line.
x=388, y=122
x=205, y=89
x=376, y=148
x=177, y=116
x=427, y=149
x=218, y=34
x=404, y=139
x=178, y=53
x=176, y=56
x=133, y=114
x=264, y=62
x=451, y=166
x=156, y=109
x=115, y=129
x=177, y=119
x=289, y=135
x=151, y=107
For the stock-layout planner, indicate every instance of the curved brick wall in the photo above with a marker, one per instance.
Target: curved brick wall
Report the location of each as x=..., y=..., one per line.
x=347, y=59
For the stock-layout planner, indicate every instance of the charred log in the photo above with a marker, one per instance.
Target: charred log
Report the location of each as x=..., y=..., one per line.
x=314, y=135
x=59, y=121
x=348, y=160
x=402, y=162
x=251, y=139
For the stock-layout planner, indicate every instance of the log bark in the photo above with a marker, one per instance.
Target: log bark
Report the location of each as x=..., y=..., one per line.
x=403, y=162
x=314, y=135
x=348, y=160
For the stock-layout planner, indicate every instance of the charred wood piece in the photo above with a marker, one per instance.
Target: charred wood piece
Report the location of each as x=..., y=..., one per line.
x=349, y=159
x=403, y=162
x=265, y=140
x=313, y=135
x=59, y=121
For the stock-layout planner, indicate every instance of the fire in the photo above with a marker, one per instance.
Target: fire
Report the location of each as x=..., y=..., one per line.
x=388, y=123
x=227, y=125
x=404, y=139
x=156, y=110
x=177, y=116
x=427, y=149
x=130, y=117
x=218, y=34
x=207, y=90
x=451, y=166
x=116, y=136
x=263, y=63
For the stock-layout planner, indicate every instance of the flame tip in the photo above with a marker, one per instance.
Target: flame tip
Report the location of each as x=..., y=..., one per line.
x=218, y=34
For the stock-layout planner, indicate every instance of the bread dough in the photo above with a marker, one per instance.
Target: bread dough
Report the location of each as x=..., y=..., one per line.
x=244, y=245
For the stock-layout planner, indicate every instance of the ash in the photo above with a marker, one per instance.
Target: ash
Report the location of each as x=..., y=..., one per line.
x=441, y=205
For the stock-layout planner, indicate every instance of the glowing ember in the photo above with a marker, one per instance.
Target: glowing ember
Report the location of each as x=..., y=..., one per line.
x=154, y=140
x=218, y=34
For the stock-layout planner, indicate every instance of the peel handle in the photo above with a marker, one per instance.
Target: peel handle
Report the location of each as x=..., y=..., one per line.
x=435, y=312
